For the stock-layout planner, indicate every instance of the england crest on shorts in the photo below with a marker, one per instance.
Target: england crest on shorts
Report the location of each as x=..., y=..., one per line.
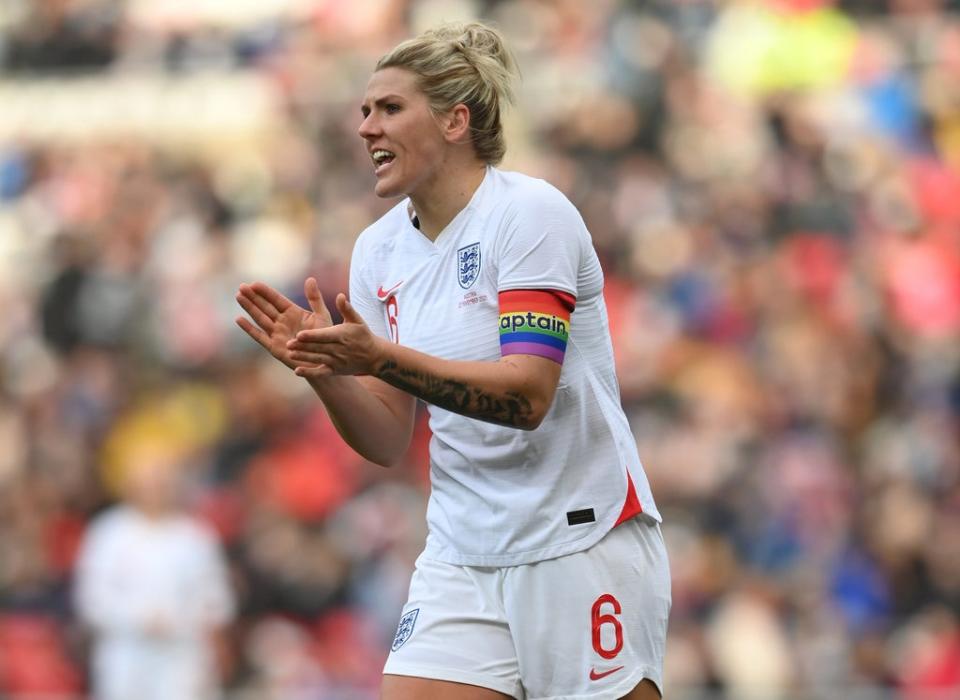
x=468, y=264
x=405, y=629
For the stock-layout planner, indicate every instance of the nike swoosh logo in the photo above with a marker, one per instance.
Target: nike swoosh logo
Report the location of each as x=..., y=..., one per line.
x=384, y=293
x=594, y=676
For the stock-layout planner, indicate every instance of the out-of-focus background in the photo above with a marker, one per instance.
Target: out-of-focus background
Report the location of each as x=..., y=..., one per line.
x=773, y=187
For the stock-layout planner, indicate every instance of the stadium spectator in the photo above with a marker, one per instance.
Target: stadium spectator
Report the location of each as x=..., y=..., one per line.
x=153, y=586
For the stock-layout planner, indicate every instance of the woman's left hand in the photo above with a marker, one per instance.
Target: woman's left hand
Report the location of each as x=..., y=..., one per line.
x=347, y=348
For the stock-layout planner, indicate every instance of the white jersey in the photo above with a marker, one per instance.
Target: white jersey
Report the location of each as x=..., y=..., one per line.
x=502, y=496
x=133, y=570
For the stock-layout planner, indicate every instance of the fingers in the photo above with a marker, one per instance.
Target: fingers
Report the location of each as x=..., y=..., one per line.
x=268, y=300
x=254, y=332
x=346, y=309
x=312, y=291
x=312, y=338
x=313, y=372
x=311, y=358
x=311, y=341
x=255, y=299
x=271, y=296
x=260, y=317
x=263, y=339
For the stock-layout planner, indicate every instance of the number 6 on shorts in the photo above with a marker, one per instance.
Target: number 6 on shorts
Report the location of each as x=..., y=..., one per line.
x=599, y=619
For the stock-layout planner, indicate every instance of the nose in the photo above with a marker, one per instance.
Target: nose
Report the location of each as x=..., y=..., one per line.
x=368, y=127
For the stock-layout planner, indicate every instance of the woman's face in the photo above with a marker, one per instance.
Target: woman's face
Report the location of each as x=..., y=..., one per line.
x=402, y=135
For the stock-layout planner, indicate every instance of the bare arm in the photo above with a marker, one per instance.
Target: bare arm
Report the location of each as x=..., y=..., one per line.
x=515, y=391
x=375, y=419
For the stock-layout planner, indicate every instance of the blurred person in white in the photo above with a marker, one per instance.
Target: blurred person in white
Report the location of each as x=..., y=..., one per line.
x=152, y=584
x=544, y=573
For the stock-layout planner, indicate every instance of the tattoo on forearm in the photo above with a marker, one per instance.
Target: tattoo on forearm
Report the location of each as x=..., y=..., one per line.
x=512, y=409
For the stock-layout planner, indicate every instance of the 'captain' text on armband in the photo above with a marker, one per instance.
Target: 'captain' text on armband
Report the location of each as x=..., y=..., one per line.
x=515, y=322
x=535, y=322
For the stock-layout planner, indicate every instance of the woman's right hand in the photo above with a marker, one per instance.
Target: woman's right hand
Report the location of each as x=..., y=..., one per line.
x=277, y=320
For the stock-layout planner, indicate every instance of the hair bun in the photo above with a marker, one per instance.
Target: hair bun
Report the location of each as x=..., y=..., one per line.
x=466, y=63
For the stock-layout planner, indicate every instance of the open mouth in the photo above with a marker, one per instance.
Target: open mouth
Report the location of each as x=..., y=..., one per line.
x=382, y=157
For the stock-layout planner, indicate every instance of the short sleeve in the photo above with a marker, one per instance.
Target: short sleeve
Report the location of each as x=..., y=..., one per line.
x=362, y=295
x=541, y=244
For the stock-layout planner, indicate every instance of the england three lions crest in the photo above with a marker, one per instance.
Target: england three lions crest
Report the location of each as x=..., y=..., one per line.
x=405, y=629
x=468, y=264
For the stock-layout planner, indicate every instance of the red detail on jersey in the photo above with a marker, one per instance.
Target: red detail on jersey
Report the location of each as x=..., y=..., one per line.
x=595, y=675
x=384, y=293
x=392, y=310
x=543, y=301
x=631, y=506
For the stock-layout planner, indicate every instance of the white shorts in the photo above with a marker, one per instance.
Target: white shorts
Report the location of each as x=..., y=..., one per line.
x=592, y=624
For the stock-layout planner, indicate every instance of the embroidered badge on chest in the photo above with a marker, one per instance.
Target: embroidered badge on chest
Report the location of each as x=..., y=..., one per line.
x=468, y=264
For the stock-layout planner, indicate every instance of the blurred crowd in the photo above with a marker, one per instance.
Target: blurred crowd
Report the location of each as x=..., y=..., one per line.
x=773, y=187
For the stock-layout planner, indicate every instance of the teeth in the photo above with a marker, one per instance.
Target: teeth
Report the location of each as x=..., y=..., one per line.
x=380, y=155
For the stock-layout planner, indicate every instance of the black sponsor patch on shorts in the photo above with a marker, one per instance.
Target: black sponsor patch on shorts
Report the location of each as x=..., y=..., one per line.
x=579, y=517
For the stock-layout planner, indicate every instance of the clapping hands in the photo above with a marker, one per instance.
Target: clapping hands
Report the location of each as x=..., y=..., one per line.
x=306, y=340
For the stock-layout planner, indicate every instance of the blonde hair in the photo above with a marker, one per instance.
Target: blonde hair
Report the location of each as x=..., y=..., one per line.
x=463, y=63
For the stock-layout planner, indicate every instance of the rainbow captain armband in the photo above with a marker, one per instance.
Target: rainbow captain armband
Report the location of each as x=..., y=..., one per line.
x=535, y=322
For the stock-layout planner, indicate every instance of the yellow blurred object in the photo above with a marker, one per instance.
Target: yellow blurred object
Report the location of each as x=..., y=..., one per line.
x=758, y=49
x=948, y=140
x=175, y=425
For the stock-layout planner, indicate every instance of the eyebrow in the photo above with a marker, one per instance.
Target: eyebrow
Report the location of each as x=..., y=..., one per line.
x=381, y=101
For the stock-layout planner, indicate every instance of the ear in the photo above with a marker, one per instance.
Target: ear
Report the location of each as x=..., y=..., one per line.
x=456, y=124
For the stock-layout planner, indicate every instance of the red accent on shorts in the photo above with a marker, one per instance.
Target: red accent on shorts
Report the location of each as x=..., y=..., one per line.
x=631, y=506
x=596, y=675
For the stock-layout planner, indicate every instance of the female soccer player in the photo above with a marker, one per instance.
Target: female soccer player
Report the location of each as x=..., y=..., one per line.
x=544, y=573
